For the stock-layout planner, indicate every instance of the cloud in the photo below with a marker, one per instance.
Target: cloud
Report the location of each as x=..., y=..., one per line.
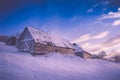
x=90, y=10
x=87, y=37
x=112, y=41
x=111, y=15
x=93, y=48
x=116, y=22
x=110, y=44
x=114, y=17
x=100, y=35
x=83, y=38
x=97, y=5
x=118, y=9
x=85, y=44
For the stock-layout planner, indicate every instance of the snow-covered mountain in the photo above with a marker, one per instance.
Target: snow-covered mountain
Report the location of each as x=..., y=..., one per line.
x=22, y=66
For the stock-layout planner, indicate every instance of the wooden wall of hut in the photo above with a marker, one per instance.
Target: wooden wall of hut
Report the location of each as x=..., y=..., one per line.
x=44, y=49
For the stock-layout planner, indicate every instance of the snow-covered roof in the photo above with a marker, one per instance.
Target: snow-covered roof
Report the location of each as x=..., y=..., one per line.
x=77, y=48
x=45, y=38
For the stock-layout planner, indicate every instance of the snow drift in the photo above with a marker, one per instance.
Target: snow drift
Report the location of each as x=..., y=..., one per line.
x=22, y=66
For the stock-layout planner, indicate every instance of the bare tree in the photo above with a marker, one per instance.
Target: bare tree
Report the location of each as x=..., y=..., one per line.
x=101, y=54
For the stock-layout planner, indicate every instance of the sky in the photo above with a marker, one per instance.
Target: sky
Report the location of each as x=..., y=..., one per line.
x=92, y=24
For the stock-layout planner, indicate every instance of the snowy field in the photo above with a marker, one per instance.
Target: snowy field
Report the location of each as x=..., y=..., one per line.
x=22, y=66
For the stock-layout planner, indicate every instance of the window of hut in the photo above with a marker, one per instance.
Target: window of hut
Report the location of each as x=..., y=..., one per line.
x=56, y=51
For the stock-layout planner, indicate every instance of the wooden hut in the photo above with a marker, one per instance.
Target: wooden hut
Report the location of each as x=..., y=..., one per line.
x=37, y=42
x=84, y=54
x=80, y=52
x=3, y=38
x=11, y=41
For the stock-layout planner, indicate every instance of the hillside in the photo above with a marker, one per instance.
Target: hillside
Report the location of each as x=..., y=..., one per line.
x=22, y=66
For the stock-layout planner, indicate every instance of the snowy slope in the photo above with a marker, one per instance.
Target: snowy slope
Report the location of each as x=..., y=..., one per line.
x=43, y=38
x=22, y=66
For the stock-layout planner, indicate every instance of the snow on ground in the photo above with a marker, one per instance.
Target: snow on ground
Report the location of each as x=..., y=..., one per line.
x=22, y=66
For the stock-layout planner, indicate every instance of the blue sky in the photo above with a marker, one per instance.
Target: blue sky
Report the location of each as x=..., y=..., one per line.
x=90, y=23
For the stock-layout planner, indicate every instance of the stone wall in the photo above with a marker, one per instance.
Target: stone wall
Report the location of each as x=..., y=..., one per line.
x=87, y=56
x=44, y=49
